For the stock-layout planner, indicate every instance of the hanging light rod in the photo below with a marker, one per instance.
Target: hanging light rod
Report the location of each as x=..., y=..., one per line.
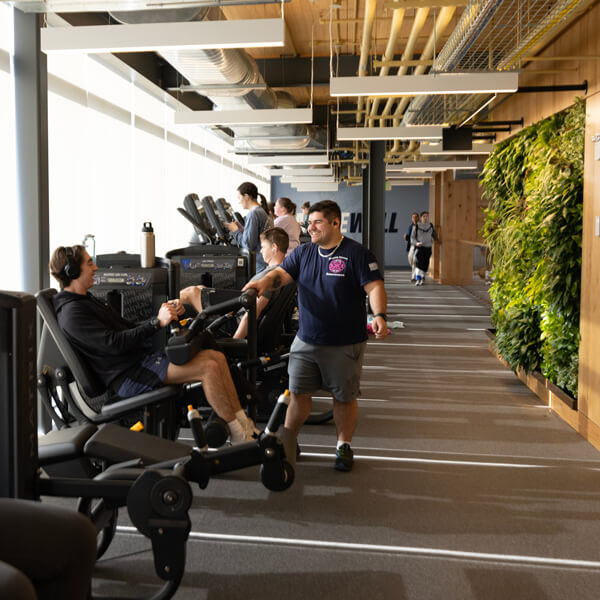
x=262, y=116
x=415, y=132
x=425, y=85
x=147, y=37
x=289, y=159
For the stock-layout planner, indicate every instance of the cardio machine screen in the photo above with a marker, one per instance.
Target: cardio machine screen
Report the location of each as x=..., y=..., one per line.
x=211, y=271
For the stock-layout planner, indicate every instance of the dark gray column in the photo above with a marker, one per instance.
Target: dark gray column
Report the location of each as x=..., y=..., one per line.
x=31, y=108
x=365, y=207
x=377, y=201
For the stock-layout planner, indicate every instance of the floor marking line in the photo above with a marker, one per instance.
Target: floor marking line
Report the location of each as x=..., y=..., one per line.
x=478, y=347
x=441, y=306
x=380, y=548
x=434, y=461
x=413, y=451
x=462, y=371
x=425, y=315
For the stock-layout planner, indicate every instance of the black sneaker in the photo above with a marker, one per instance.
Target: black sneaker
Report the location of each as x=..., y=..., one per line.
x=344, y=458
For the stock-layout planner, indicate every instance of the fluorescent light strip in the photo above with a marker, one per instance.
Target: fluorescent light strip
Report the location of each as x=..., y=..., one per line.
x=397, y=176
x=316, y=187
x=415, y=132
x=317, y=172
x=147, y=37
x=401, y=182
x=265, y=116
x=432, y=165
x=302, y=180
x=438, y=149
x=289, y=159
x=425, y=85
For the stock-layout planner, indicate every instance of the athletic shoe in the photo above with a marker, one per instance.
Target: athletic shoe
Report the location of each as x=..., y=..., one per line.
x=417, y=283
x=344, y=458
x=245, y=436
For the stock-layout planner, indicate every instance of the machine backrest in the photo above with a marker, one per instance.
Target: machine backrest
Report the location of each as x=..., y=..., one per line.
x=95, y=393
x=271, y=321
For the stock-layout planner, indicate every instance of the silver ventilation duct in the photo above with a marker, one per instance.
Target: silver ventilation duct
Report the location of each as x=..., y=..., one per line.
x=234, y=71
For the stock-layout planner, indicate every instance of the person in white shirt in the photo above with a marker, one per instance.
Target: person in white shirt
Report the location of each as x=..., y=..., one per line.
x=285, y=211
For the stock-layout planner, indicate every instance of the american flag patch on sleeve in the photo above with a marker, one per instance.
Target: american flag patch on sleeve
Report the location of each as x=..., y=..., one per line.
x=373, y=266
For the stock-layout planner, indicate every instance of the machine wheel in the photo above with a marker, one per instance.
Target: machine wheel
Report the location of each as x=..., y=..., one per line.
x=277, y=476
x=104, y=518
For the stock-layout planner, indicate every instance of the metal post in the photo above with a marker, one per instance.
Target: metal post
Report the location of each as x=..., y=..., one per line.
x=31, y=112
x=365, y=207
x=377, y=201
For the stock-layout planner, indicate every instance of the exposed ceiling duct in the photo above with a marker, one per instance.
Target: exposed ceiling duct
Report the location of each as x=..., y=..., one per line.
x=231, y=80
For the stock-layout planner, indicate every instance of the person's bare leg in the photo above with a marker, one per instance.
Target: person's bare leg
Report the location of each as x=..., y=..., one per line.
x=298, y=411
x=207, y=367
x=345, y=416
x=192, y=295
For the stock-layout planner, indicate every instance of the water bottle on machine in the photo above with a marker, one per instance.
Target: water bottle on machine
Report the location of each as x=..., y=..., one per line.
x=89, y=243
x=147, y=250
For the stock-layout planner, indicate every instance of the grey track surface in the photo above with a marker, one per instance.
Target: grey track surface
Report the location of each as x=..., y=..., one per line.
x=465, y=487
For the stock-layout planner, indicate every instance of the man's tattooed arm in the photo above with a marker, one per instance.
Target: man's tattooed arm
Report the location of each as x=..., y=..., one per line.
x=277, y=281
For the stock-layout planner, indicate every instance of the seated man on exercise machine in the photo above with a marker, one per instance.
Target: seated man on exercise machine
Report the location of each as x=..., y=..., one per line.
x=273, y=246
x=120, y=352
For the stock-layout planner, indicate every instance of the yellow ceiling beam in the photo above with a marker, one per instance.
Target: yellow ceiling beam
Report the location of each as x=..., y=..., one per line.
x=396, y=4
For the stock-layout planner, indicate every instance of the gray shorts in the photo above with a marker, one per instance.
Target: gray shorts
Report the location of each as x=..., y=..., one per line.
x=336, y=369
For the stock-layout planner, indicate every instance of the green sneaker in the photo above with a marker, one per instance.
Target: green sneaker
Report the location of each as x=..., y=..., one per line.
x=344, y=458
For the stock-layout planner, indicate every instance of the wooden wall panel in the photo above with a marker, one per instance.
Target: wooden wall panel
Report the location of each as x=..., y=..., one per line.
x=435, y=191
x=589, y=351
x=459, y=222
x=580, y=39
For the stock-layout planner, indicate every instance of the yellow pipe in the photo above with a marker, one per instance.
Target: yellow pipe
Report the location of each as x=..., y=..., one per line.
x=364, y=48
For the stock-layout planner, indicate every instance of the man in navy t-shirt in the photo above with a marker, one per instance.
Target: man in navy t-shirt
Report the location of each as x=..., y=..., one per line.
x=334, y=275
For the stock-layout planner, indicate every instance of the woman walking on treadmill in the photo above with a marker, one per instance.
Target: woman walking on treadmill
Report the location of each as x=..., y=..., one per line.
x=256, y=221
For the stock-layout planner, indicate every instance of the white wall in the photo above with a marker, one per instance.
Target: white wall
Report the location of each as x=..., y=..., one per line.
x=116, y=159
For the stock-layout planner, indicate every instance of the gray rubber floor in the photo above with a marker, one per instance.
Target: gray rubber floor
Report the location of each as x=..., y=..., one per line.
x=464, y=487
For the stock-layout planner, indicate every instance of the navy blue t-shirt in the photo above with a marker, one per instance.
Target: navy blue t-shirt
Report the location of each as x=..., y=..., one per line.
x=331, y=298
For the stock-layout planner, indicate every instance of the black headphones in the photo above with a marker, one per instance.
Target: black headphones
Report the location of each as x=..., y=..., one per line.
x=72, y=269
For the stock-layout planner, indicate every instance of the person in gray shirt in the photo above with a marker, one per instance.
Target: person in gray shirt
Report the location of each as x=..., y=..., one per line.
x=422, y=237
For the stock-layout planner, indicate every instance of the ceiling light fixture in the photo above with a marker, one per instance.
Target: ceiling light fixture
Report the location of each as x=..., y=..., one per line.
x=316, y=187
x=302, y=180
x=300, y=172
x=437, y=149
x=411, y=182
x=289, y=159
x=433, y=165
x=414, y=132
x=425, y=85
x=263, y=116
x=147, y=37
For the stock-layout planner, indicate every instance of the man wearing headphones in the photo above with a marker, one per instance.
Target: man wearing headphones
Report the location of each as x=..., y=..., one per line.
x=120, y=353
x=333, y=275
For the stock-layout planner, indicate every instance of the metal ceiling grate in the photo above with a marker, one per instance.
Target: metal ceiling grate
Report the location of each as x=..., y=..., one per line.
x=493, y=35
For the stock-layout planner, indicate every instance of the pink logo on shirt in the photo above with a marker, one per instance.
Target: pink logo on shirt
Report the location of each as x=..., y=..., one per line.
x=337, y=265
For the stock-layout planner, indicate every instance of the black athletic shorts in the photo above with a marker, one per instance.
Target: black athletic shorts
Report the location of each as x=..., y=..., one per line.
x=145, y=377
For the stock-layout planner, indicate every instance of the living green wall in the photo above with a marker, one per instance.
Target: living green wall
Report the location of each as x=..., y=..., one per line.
x=534, y=185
